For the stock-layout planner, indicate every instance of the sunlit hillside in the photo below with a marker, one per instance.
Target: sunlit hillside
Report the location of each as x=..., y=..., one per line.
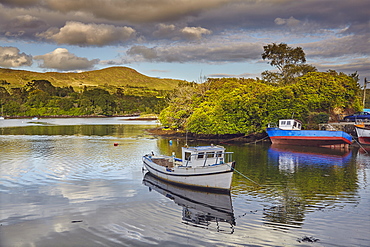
x=114, y=76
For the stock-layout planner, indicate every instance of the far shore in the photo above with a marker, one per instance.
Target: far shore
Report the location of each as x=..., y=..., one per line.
x=80, y=116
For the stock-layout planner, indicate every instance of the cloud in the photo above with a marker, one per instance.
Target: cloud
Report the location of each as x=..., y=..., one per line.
x=61, y=59
x=134, y=11
x=11, y=57
x=355, y=45
x=143, y=53
x=160, y=31
x=289, y=22
x=77, y=33
x=194, y=33
x=205, y=53
x=164, y=30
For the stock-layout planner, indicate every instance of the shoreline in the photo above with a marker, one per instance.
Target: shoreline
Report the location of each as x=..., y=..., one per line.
x=229, y=138
x=79, y=116
x=168, y=133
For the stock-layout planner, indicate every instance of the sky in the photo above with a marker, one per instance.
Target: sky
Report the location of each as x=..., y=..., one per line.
x=182, y=39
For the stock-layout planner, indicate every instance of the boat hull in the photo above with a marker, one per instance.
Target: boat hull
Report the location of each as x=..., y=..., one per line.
x=363, y=135
x=216, y=177
x=308, y=137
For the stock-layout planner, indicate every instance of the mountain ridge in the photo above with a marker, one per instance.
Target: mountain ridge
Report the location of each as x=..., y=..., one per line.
x=117, y=76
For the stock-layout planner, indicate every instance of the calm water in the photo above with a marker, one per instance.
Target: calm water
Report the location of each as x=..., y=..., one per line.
x=63, y=182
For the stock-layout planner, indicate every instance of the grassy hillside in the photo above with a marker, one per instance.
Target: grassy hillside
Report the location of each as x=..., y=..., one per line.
x=114, y=76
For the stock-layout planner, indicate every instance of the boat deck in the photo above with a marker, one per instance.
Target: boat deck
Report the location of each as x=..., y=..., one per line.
x=166, y=162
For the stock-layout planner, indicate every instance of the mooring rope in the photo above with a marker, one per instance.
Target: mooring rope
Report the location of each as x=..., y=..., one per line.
x=244, y=176
x=258, y=140
x=359, y=144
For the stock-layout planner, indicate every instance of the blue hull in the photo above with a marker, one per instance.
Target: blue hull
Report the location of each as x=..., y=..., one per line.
x=308, y=137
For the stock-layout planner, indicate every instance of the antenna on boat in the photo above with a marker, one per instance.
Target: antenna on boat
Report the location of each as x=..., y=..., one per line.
x=293, y=115
x=186, y=138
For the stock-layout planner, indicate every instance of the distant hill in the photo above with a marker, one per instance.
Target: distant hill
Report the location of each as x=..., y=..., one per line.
x=113, y=76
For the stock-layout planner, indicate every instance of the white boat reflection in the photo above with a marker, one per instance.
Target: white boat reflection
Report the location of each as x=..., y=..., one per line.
x=201, y=208
x=289, y=158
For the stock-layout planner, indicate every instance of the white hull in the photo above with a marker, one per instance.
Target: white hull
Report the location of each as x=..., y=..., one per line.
x=363, y=135
x=211, y=177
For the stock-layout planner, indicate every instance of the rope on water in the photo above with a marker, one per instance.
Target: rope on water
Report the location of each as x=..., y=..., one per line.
x=236, y=138
x=244, y=176
x=258, y=140
x=359, y=144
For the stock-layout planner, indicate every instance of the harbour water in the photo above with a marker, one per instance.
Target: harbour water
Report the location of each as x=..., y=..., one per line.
x=80, y=182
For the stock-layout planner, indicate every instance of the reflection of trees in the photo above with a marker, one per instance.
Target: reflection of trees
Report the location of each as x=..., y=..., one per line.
x=290, y=195
x=94, y=130
x=287, y=196
x=290, y=210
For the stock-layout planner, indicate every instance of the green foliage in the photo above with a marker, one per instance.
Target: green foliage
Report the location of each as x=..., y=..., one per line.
x=41, y=98
x=319, y=117
x=244, y=106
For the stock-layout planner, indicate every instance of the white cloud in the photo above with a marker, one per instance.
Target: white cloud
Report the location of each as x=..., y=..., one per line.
x=11, y=57
x=194, y=33
x=62, y=59
x=291, y=21
x=77, y=33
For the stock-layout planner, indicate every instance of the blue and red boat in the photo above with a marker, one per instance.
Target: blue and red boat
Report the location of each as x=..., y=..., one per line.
x=290, y=132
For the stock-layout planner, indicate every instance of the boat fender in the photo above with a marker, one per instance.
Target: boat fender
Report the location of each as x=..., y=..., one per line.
x=169, y=169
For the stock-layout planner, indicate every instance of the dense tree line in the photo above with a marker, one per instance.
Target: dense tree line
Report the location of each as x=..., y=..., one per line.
x=244, y=106
x=41, y=98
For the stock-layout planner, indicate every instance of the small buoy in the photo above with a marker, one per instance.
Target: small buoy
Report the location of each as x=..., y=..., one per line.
x=115, y=144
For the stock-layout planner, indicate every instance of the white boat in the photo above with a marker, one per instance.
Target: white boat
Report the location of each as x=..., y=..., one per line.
x=1, y=117
x=209, y=167
x=363, y=134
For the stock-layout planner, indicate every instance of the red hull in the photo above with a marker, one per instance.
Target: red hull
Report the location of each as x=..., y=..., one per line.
x=309, y=141
x=364, y=140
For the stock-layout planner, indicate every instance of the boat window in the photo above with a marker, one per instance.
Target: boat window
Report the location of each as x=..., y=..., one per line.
x=210, y=154
x=187, y=156
x=295, y=124
x=287, y=122
x=200, y=155
x=282, y=122
x=219, y=154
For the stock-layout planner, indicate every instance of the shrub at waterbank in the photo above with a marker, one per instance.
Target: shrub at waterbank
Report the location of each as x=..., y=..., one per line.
x=245, y=106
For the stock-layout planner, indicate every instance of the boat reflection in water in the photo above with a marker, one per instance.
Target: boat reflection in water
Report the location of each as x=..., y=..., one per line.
x=201, y=208
x=290, y=157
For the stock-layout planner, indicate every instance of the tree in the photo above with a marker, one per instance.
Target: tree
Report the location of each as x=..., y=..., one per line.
x=281, y=55
x=289, y=61
x=38, y=98
x=101, y=100
x=43, y=85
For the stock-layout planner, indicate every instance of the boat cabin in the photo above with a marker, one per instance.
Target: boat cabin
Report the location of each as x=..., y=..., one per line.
x=205, y=156
x=290, y=124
